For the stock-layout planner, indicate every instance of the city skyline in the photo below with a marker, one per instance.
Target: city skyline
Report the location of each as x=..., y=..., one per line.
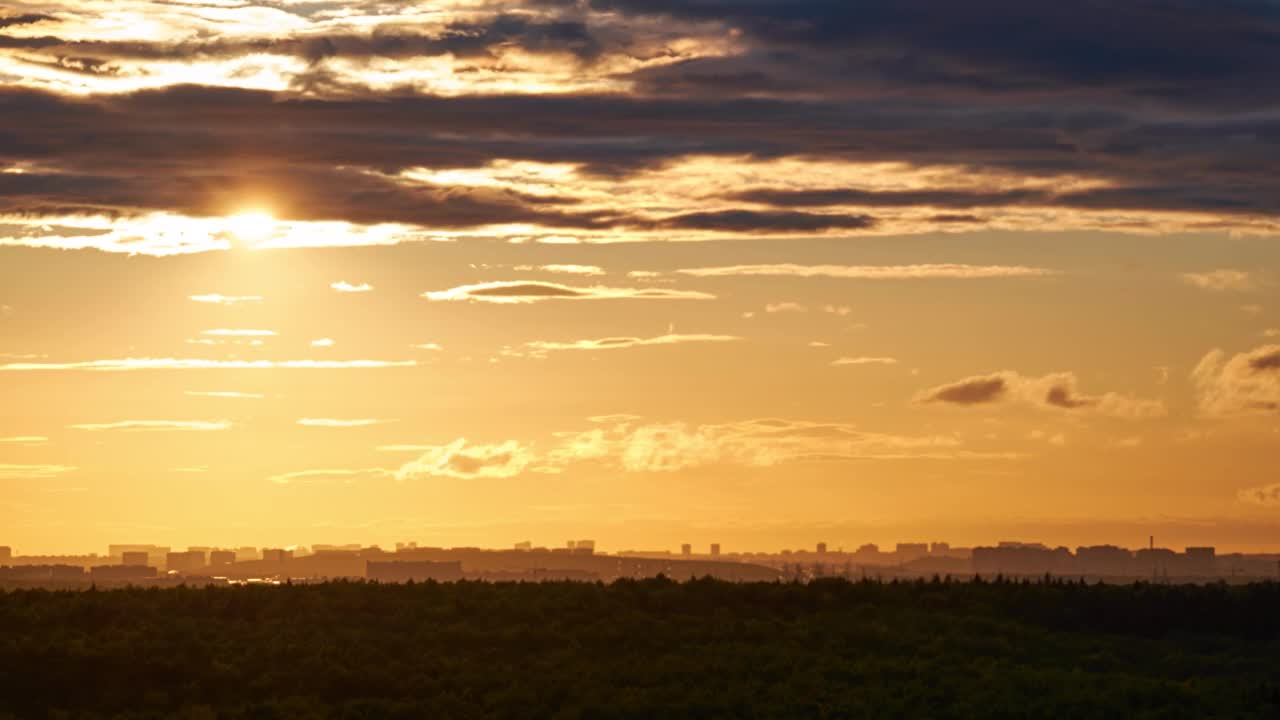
x=690, y=271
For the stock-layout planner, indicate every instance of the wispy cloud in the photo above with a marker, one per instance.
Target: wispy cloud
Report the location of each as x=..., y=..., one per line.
x=224, y=394
x=618, y=343
x=238, y=332
x=435, y=347
x=340, y=423
x=226, y=299
x=322, y=342
x=668, y=447
x=864, y=360
x=565, y=269
x=1220, y=280
x=32, y=472
x=25, y=440
x=328, y=476
x=459, y=459
x=875, y=272
x=156, y=426
x=1245, y=383
x=513, y=292
x=784, y=307
x=127, y=364
x=1264, y=495
x=345, y=287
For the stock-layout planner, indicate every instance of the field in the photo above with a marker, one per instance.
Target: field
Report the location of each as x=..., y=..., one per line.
x=644, y=649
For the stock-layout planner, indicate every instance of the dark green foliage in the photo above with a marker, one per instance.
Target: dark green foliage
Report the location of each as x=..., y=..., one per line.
x=645, y=649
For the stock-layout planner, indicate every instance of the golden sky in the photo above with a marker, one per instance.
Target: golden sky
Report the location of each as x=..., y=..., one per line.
x=471, y=273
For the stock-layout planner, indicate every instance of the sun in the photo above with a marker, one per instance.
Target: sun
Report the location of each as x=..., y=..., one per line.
x=252, y=227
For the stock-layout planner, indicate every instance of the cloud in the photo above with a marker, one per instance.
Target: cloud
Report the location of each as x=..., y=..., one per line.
x=224, y=394
x=233, y=332
x=130, y=364
x=1220, y=280
x=225, y=299
x=322, y=342
x=873, y=272
x=25, y=440
x=752, y=221
x=156, y=426
x=326, y=477
x=533, y=291
x=1265, y=495
x=667, y=447
x=343, y=286
x=1055, y=391
x=1245, y=383
x=618, y=343
x=863, y=360
x=33, y=472
x=334, y=423
x=459, y=459
x=784, y=307
x=565, y=269
x=434, y=347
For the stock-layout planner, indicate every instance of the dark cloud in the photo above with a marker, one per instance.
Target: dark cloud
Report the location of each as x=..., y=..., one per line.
x=1055, y=391
x=753, y=221
x=1166, y=105
x=1178, y=51
x=1064, y=396
x=970, y=391
x=1265, y=361
x=465, y=40
x=8, y=21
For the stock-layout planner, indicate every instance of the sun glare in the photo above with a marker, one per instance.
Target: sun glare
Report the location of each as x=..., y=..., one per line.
x=252, y=227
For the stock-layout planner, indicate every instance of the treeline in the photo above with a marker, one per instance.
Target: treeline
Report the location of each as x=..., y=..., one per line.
x=644, y=649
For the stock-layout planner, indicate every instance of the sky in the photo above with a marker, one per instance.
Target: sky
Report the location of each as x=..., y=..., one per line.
x=763, y=273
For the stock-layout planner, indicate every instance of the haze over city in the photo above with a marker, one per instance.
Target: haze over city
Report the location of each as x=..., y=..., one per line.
x=763, y=274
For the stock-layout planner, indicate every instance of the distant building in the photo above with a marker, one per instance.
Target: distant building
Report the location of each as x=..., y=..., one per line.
x=185, y=561
x=6, y=554
x=525, y=546
x=66, y=572
x=686, y=549
x=907, y=552
x=1106, y=560
x=276, y=556
x=156, y=554
x=246, y=554
x=415, y=570
x=121, y=573
x=939, y=548
x=715, y=549
x=135, y=558
x=822, y=548
x=584, y=547
x=221, y=557
x=1022, y=559
x=1201, y=561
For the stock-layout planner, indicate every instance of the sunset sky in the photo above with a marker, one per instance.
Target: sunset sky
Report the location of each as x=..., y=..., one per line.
x=762, y=272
